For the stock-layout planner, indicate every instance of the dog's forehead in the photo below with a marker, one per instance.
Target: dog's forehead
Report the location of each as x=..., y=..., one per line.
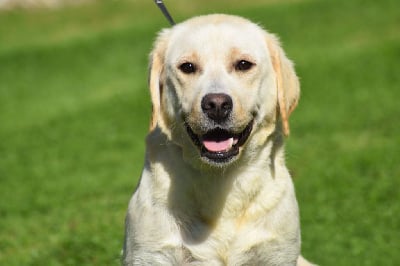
x=217, y=35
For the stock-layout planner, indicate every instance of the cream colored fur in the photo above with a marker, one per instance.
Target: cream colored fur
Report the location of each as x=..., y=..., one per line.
x=190, y=211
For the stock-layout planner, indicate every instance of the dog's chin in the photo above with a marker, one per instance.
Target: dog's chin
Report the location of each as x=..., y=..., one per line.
x=219, y=146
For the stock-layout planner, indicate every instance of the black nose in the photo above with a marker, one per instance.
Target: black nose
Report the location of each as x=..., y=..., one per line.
x=217, y=106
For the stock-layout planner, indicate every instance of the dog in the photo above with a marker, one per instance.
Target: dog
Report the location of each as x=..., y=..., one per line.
x=215, y=189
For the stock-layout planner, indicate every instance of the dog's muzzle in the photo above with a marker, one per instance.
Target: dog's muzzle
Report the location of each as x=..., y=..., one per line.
x=219, y=144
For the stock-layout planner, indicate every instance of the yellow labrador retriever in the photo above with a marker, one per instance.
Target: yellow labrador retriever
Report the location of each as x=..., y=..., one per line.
x=215, y=189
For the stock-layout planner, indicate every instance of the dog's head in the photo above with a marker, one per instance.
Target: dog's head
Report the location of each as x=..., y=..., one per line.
x=218, y=85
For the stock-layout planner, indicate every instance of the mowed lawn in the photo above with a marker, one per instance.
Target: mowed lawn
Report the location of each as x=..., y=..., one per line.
x=74, y=112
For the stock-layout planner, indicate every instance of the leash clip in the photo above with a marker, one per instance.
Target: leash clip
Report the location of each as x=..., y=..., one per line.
x=164, y=10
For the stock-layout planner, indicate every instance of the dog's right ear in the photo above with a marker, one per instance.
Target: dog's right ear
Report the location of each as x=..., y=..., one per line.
x=156, y=68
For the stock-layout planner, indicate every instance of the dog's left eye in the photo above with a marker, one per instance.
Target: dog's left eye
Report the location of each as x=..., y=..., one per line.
x=243, y=65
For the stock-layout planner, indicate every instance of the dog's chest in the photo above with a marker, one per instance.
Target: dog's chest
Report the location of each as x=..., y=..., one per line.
x=216, y=244
x=229, y=242
x=255, y=236
x=229, y=245
x=240, y=219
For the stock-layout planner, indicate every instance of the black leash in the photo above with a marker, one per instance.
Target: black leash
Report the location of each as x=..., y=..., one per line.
x=164, y=10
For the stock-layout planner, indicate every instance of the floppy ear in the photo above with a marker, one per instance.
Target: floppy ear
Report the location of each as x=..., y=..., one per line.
x=287, y=81
x=156, y=68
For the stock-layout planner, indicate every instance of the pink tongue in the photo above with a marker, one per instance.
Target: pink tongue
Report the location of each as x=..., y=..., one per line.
x=217, y=146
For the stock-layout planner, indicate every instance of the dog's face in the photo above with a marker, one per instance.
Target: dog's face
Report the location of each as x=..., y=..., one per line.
x=215, y=82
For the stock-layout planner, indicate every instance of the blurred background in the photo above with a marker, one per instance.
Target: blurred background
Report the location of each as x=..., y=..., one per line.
x=74, y=112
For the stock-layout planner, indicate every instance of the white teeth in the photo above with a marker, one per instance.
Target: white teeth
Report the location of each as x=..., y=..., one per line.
x=231, y=142
x=235, y=141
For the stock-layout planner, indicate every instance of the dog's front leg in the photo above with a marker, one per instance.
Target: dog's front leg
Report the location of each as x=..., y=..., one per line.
x=145, y=248
x=150, y=235
x=145, y=256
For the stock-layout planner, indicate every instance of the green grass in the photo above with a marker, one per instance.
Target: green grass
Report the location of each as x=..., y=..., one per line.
x=74, y=111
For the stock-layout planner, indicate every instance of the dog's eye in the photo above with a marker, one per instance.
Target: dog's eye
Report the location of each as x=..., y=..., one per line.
x=243, y=65
x=187, y=68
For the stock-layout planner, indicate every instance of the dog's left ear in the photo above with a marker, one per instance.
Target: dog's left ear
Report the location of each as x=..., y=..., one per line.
x=156, y=68
x=287, y=82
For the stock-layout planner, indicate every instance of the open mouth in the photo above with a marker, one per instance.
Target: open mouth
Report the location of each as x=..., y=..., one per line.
x=220, y=145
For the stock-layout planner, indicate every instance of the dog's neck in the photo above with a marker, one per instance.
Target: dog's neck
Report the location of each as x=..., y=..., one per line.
x=200, y=196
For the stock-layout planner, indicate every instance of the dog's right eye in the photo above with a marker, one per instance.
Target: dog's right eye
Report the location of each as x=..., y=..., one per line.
x=187, y=68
